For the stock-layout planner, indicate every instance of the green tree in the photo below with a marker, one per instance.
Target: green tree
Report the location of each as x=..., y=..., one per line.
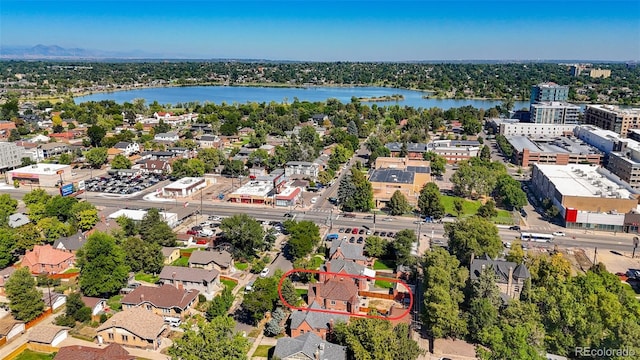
x=87, y=219
x=458, y=206
x=212, y=158
x=262, y=298
x=437, y=162
x=188, y=168
x=28, y=236
x=52, y=228
x=8, y=207
x=121, y=162
x=96, y=134
x=473, y=235
x=220, y=304
x=304, y=236
x=509, y=192
x=375, y=246
x=355, y=191
x=404, y=240
x=377, y=339
x=234, y=168
x=485, y=153
x=76, y=309
x=430, y=202
x=516, y=253
x=60, y=207
x=7, y=247
x=25, y=300
x=212, y=340
x=36, y=196
x=96, y=157
x=244, y=233
x=65, y=159
x=143, y=256
x=103, y=267
x=488, y=210
x=398, y=204
x=352, y=128
x=161, y=234
x=444, y=281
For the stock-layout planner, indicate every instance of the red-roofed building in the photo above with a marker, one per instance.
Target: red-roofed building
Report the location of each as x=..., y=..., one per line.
x=338, y=293
x=63, y=136
x=78, y=352
x=46, y=259
x=5, y=129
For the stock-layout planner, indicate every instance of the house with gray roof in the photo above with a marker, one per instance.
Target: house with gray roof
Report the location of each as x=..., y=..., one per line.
x=203, y=280
x=17, y=220
x=308, y=346
x=220, y=260
x=70, y=243
x=510, y=277
x=342, y=249
x=314, y=321
x=348, y=267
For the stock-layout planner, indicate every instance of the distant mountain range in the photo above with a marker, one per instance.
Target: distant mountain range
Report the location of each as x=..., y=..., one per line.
x=57, y=52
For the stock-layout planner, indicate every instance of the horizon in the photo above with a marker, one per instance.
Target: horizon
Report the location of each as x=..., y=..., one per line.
x=330, y=31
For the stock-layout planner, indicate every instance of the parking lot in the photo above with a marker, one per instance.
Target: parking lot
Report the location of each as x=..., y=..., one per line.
x=123, y=185
x=358, y=235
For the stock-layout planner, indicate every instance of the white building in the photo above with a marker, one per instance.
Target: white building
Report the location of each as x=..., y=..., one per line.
x=46, y=175
x=138, y=215
x=171, y=136
x=10, y=155
x=301, y=169
x=603, y=140
x=512, y=127
x=184, y=187
x=127, y=148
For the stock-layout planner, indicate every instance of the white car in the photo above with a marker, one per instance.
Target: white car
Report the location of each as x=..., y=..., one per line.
x=559, y=233
x=314, y=200
x=264, y=272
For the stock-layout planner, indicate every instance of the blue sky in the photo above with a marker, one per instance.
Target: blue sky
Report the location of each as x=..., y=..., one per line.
x=332, y=30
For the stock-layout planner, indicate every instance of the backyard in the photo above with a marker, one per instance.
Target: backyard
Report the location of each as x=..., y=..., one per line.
x=230, y=284
x=470, y=207
x=32, y=355
x=152, y=279
x=263, y=351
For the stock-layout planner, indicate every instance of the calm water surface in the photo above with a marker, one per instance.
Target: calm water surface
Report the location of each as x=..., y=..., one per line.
x=244, y=94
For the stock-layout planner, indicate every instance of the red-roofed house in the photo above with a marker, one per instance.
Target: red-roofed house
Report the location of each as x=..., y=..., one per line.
x=162, y=115
x=63, y=136
x=339, y=293
x=78, y=352
x=46, y=259
x=5, y=129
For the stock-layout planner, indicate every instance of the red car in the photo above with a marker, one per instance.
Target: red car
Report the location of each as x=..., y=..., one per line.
x=354, y=231
x=192, y=232
x=202, y=241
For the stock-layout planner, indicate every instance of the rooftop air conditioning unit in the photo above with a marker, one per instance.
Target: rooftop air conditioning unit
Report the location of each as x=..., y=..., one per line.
x=598, y=192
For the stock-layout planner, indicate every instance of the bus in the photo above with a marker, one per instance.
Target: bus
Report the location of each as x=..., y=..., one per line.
x=526, y=236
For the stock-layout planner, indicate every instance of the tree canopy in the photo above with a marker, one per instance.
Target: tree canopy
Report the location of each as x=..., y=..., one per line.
x=213, y=340
x=103, y=267
x=475, y=235
x=244, y=233
x=25, y=299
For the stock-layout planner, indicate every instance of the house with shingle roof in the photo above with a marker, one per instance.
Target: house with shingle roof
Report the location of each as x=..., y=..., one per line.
x=4, y=276
x=78, y=352
x=46, y=259
x=96, y=304
x=342, y=266
x=166, y=300
x=205, y=281
x=510, y=277
x=51, y=335
x=220, y=260
x=127, y=148
x=308, y=347
x=338, y=293
x=10, y=327
x=70, y=243
x=134, y=327
x=342, y=249
x=155, y=167
x=317, y=322
x=170, y=254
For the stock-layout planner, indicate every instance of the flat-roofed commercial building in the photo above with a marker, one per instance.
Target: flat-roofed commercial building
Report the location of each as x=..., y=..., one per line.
x=614, y=118
x=559, y=150
x=588, y=196
x=455, y=150
x=403, y=174
x=184, y=187
x=512, y=127
x=554, y=112
x=138, y=215
x=45, y=175
x=603, y=140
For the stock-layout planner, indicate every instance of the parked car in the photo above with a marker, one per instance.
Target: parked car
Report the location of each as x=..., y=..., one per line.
x=559, y=233
x=368, y=217
x=341, y=230
x=383, y=234
x=288, y=215
x=360, y=240
x=354, y=231
x=390, y=234
x=264, y=273
x=515, y=227
x=215, y=218
x=361, y=231
x=352, y=239
x=387, y=219
x=314, y=200
x=249, y=287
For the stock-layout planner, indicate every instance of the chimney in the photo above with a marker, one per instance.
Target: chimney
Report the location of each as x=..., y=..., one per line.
x=472, y=258
x=510, y=281
x=141, y=297
x=331, y=325
x=180, y=287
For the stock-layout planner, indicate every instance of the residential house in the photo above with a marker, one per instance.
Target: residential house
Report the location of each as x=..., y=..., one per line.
x=205, y=281
x=162, y=115
x=6, y=127
x=17, y=220
x=319, y=118
x=5, y=274
x=167, y=300
x=46, y=259
x=127, y=148
x=134, y=327
x=301, y=169
x=113, y=152
x=10, y=327
x=245, y=131
x=78, y=352
x=70, y=243
x=96, y=304
x=348, y=267
x=220, y=260
x=270, y=149
x=314, y=321
x=168, y=137
x=170, y=254
x=337, y=293
x=54, y=149
x=50, y=335
x=53, y=299
x=65, y=137
x=209, y=141
x=342, y=249
x=510, y=277
x=155, y=167
x=308, y=347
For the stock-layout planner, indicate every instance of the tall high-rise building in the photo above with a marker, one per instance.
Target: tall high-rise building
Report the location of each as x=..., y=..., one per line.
x=10, y=155
x=554, y=112
x=610, y=117
x=549, y=92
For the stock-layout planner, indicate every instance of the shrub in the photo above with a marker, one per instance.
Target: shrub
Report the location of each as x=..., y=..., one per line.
x=83, y=315
x=201, y=298
x=103, y=318
x=272, y=328
x=64, y=320
x=278, y=314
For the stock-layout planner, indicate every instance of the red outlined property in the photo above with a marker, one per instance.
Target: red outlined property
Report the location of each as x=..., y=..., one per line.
x=346, y=294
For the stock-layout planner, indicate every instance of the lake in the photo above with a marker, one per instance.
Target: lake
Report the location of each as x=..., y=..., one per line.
x=244, y=94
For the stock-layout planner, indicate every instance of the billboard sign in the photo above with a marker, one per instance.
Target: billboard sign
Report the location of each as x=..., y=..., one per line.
x=81, y=185
x=66, y=190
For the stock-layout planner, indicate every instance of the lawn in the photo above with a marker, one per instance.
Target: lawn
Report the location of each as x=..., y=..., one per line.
x=114, y=302
x=242, y=266
x=315, y=262
x=71, y=271
x=470, y=207
x=183, y=261
x=229, y=283
x=32, y=355
x=263, y=351
x=384, y=284
x=189, y=250
x=302, y=292
x=147, y=278
x=384, y=265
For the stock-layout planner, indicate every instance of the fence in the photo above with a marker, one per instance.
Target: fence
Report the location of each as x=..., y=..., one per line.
x=222, y=277
x=64, y=276
x=43, y=348
x=376, y=295
x=35, y=321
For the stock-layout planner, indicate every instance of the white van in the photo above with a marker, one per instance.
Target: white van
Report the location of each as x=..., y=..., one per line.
x=172, y=321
